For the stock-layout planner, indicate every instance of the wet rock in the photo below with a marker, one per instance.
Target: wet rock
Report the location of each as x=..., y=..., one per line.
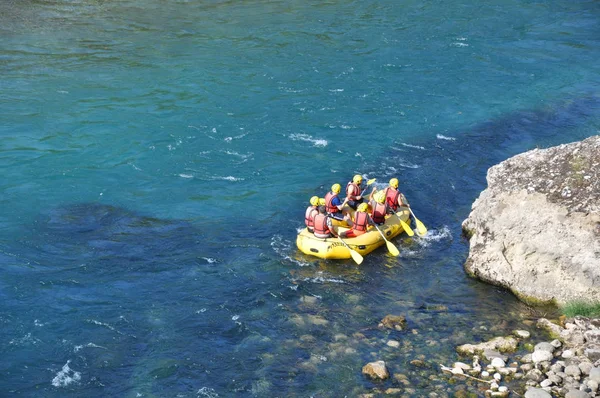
x=393, y=391
x=419, y=363
x=522, y=334
x=317, y=320
x=376, y=370
x=308, y=300
x=395, y=322
x=498, y=363
x=393, y=343
x=549, y=195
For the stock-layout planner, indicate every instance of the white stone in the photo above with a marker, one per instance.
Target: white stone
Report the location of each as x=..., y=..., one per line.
x=503, y=389
x=457, y=371
x=393, y=343
x=566, y=354
x=523, y=334
x=546, y=383
x=539, y=356
x=533, y=392
x=485, y=374
x=556, y=343
x=497, y=376
x=498, y=363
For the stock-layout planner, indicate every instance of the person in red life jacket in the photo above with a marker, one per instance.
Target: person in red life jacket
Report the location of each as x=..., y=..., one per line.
x=354, y=191
x=310, y=213
x=333, y=203
x=393, y=197
x=360, y=223
x=322, y=225
x=379, y=207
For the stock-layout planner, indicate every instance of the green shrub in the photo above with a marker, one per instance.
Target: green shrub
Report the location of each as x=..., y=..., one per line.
x=581, y=308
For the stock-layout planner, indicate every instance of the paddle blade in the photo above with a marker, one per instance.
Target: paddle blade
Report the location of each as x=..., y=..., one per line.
x=421, y=230
x=407, y=228
x=371, y=181
x=356, y=256
x=392, y=249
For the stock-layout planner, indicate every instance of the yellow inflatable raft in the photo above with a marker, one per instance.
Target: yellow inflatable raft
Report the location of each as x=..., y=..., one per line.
x=333, y=248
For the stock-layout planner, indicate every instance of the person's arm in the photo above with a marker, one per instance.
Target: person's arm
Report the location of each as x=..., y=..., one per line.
x=337, y=203
x=372, y=194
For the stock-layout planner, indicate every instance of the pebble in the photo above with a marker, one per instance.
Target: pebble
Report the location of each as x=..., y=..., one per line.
x=498, y=363
x=566, y=354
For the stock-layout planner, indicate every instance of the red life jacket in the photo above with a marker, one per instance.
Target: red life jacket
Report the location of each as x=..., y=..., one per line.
x=309, y=216
x=321, y=224
x=352, y=190
x=361, y=220
x=330, y=208
x=391, y=197
x=378, y=212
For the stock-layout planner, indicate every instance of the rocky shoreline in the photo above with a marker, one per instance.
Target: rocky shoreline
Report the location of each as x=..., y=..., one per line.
x=566, y=366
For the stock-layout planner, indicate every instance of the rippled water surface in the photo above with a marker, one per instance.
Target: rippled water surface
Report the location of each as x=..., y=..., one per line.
x=157, y=158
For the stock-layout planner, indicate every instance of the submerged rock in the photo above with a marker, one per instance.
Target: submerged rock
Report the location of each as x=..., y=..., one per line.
x=536, y=229
x=396, y=322
x=376, y=370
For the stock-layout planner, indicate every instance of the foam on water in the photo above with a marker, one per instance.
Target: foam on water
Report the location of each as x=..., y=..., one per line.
x=66, y=376
x=412, y=146
x=443, y=137
x=207, y=392
x=434, y=236
x=308, y=138
x=88, y=345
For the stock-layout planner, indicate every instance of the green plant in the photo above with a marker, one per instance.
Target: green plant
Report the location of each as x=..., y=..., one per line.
x=582, y=308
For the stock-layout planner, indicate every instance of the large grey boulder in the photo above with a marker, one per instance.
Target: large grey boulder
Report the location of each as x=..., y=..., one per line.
x=536, y=229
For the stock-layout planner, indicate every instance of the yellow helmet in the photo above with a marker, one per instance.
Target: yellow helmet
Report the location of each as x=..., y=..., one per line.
x=357, y=179
x=322, y=202
x=336, y=188
x=380, y=197
x=363, y=207
x=394, y=183
x=314, y=200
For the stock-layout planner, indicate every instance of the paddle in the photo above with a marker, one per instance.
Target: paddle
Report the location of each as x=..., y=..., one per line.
x=369, y=182
x=355, y=255
x=406, y=227
x=390, y=246
x=421, y=230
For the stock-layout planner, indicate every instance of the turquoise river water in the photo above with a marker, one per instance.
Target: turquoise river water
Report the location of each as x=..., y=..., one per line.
x=157, y=158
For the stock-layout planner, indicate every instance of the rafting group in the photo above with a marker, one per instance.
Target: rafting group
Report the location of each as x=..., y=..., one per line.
x=350, y=228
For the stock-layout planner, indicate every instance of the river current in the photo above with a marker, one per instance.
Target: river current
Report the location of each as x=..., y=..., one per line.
x=157, y=158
